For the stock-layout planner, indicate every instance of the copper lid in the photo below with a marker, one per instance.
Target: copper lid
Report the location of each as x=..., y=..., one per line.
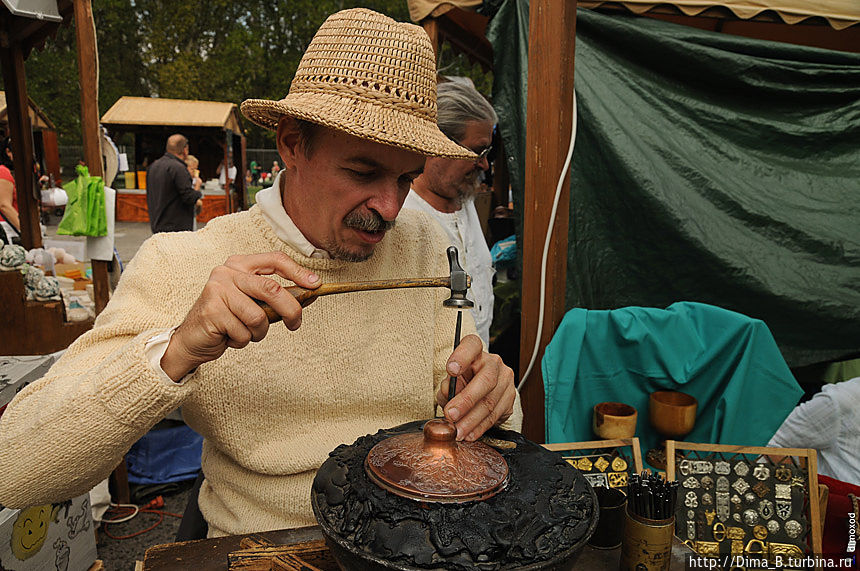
x=433, y=467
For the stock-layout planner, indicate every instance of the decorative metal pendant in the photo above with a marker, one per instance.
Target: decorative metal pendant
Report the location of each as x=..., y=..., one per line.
x=793, y=529
x=691, y=500
x=722, y=468
x=783, y=509
x=690, y=483
x=765, y=509
x=761, y=472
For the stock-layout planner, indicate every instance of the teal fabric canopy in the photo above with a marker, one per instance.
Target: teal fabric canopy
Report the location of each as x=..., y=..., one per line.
x=707, y=168
x=727, y=361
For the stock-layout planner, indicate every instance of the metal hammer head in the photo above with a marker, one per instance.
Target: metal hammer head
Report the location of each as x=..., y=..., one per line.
x=459, y=282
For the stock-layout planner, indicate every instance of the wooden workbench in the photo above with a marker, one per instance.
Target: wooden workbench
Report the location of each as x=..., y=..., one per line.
x=211, y=554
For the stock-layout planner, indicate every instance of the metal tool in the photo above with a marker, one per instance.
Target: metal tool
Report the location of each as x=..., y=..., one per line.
x=460, y=282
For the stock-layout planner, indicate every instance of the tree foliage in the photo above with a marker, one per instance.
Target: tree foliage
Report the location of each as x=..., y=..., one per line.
x=219, y=50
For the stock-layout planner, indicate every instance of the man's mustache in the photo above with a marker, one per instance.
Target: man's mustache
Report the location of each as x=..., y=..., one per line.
x=372, y=222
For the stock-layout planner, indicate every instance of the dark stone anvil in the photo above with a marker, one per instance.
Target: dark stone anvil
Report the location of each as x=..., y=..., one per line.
x=540, y=520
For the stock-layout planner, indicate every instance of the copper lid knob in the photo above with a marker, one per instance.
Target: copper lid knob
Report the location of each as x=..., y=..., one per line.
x=433, y=467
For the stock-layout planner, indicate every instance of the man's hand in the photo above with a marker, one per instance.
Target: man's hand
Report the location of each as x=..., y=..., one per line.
x=225, y=315
x=485, y=389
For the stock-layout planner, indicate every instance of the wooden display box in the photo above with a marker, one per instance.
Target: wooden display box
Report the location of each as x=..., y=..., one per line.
x=749, y=501
x=604, y=463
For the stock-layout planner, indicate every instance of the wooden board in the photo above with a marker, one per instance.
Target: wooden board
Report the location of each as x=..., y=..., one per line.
x=33, y=327
x=212, y=554
x=131, y=207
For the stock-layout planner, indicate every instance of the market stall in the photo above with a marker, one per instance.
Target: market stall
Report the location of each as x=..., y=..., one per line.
x=215, y=136
x=47, y=153
x=40, y=327
x=536, y=136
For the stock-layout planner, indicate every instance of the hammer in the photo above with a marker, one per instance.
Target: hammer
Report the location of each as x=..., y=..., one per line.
x=458, y=282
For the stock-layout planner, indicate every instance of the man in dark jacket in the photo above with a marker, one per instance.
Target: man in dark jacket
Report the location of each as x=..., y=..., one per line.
x=170, y=197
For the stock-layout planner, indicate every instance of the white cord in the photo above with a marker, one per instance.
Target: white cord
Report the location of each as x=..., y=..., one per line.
x=126, y=518
x=546, y=245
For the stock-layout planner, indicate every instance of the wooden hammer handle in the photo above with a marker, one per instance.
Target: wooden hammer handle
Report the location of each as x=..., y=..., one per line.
x=306, y=296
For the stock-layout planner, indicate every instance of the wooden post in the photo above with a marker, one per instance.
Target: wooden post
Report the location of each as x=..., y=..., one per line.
x=431, y=26
x=52, y=155
x=243, y=195
x=18, y=113
x=89, y=79
x=552, y=29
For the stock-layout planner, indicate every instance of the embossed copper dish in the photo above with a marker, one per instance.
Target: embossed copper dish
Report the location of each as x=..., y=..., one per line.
x=431, y=466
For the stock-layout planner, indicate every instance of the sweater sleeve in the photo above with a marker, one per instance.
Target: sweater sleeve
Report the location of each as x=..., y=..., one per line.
x=67, y=431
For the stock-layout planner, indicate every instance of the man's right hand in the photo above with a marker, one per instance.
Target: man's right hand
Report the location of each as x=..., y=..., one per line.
x=226, y=315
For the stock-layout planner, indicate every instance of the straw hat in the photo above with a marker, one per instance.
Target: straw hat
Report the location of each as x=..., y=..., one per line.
x=370, y=76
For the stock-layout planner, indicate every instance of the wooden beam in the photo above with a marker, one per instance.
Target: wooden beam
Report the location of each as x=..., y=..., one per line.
x=18, y=115
x=88, y=73
x=431, y=26
x=552, y=28
x=466, y=31
x=52, y=155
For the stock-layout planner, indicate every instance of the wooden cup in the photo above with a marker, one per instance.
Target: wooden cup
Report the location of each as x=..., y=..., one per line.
x=614, y=420
x=672, y=413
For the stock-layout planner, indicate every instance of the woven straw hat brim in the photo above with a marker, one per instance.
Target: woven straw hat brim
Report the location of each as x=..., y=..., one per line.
x=363, y=119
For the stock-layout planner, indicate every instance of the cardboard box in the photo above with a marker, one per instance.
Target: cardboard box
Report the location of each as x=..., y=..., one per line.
x=53, y=536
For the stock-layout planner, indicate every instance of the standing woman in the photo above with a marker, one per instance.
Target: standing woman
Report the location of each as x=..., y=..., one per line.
x=9, y=221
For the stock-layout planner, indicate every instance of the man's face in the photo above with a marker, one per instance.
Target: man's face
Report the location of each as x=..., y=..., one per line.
x=458, y=179
x=346, y=195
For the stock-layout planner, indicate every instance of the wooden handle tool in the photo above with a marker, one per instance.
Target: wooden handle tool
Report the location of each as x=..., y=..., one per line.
x=306, y=296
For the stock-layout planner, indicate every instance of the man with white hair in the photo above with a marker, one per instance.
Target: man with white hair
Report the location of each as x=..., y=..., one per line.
x=183, y=327
x=446, y=189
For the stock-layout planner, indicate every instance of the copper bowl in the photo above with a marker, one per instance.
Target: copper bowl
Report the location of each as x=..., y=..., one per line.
x=539, y=520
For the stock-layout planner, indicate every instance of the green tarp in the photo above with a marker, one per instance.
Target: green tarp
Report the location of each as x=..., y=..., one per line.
x=728, y=362
x=707, y=168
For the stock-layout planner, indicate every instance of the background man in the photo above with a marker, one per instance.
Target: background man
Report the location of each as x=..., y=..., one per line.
x=830, y=423
x=446, y=190
x=183, y=328
x=170, y=196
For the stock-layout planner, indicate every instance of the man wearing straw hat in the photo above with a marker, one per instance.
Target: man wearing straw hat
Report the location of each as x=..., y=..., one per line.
x=352, y=134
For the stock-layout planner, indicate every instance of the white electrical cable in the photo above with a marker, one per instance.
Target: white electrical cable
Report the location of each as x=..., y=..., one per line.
x=546, y=245
x=125, y=518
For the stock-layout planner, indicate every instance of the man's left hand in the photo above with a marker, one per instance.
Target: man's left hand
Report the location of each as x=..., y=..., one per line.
x=485, y=389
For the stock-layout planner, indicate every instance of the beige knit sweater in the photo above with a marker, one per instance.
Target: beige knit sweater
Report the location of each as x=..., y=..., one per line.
x=269, y=413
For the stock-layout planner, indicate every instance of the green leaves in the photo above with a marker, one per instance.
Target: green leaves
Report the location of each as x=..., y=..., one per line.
x=219, y=50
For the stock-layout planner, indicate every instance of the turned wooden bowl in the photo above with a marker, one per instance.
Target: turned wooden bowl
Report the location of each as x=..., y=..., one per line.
x=614, y=420
x=672, y=413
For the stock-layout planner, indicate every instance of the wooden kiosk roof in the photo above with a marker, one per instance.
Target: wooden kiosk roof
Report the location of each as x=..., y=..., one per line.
x=38, y=119
x=173, y=112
